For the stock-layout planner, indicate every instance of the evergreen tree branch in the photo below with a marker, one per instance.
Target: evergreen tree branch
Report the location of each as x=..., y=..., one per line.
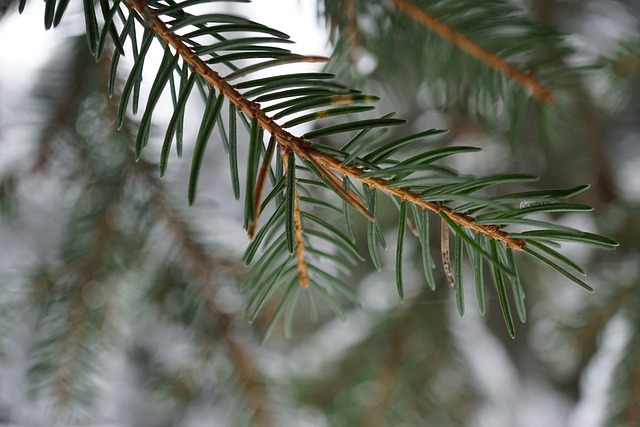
x=65, y=107
x=75, y=283
x=368, y=160
x=332, y=166
x=402, y=379
x=401, y=360
x=71, y=325
x=303, y=148
x=464, y=43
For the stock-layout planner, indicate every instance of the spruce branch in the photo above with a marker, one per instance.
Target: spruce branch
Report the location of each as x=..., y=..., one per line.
x=302, y=147
x=477, y=220
x=386, y=382
x=523, y=78
x=70, y=348
x=303, y=247
x=70, y=324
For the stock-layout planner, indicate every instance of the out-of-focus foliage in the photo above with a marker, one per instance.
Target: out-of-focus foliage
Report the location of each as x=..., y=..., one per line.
x=130, y=308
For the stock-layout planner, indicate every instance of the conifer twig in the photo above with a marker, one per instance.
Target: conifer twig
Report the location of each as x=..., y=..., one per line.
x=303, y=148
x=464, y=43
x=386, y=381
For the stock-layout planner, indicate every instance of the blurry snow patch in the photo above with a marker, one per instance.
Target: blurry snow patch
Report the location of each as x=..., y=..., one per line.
x=365, y=61
x=229, y=300
x=431, y=118
x=305, y=417
x=376, y=293
x=596, y=380
x=512, y=398
x=493, y=371
x=540, y=405
x=329, y=343
x=29, y=237
x=299, y=19
x=19, y=64
x=608, y=23
x=628, y=162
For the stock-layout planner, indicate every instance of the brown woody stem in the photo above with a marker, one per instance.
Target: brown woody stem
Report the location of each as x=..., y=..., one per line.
x=303, y=274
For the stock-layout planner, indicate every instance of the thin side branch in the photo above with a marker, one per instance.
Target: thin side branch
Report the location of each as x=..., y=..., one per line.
x=464, y=43
x=303, y=148
x=261, y=181
x=303, y=275
x=352, y=198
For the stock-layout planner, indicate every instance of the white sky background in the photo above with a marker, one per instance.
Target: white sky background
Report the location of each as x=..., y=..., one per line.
x=19, y=60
